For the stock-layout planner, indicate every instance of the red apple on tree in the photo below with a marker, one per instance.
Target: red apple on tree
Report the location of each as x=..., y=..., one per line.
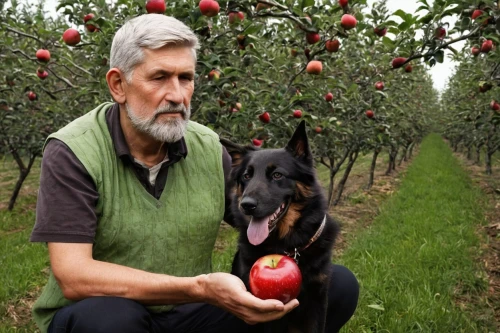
x=343, y=3
x=31, y=96
x=369, y=114
x=41, y=73
x=329, y=97
x=265, y=117
x=314, y=67
x=487, y=46
x=43, y=55
x=318, y=129
x=214, y=75
x=257, y=142
x=475, y=51
x=476, y=13
x=297, y=114
x=235, y=17
x=348, y=21
x=156, y=6
x=398, y=62
x=332, y=45
x=71, y=37
x=275, y=276
x=91, y=27
x=312, y=37
x=379, y=85
x=408, y=68
x=380, y=31
x=209, y=8
x=440, y=33
x=494, y=105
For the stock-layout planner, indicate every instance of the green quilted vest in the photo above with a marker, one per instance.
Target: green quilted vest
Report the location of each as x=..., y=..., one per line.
x=174, y=235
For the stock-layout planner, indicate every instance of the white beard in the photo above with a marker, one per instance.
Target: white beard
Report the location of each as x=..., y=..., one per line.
x=170, y=130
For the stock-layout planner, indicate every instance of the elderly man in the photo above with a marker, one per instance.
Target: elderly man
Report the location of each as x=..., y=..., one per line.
x=131, y=198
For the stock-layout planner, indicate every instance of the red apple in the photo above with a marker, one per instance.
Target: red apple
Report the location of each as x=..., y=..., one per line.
x=475, y=51
x=440, y=33
x=332, y=45
x=91, y=27
x=275, y=276
x=238, y=106
x=348, y=21
x=156, y=6
x=369, y=114
x=71, y=37
x=379, y=85
x=312, y=37
x=42, y=74
x=318, y=129
x=329, y=97
x=398, y=62
x=261, y=6
x=209, y=8
x=265, y=117
x=307, y=53
x=487, y=46
x=214, y=75
x=43, y=55
x=408, y=68
x=90, y=16
x=343, y=3
x=257, y=142
x=476, y=14
x=297, y=114
x=293, y=52
x=31, y=96
x=235, y=17
x=494, y=105
x=380, y=31
x=314, y=67
x=484, y=87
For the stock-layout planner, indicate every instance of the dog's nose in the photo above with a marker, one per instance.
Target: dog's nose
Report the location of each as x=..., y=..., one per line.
x=248, y=204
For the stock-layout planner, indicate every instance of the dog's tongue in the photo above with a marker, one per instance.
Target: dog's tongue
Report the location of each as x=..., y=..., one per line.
x=258, y=230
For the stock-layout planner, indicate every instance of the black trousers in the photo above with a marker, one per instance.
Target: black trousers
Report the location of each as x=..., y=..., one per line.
x=120, y=315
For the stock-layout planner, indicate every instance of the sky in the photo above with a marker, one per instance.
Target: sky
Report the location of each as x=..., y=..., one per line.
x=440, y=72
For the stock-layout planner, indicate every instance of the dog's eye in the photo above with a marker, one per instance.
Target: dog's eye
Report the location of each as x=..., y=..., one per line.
x=277, y=176
x=247, y=176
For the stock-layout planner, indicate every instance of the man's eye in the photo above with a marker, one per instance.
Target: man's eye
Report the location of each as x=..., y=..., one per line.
x=277, y=176
x=158, y=78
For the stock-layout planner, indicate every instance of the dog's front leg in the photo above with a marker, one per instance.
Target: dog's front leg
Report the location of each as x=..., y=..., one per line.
x=311, y=316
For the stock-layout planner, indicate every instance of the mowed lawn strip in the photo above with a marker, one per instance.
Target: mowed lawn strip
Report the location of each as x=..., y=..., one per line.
x=418, y=263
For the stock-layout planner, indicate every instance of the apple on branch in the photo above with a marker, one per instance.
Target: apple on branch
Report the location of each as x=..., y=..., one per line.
x=379, y=85
x=275, y=276
x=265, y=117
x=43, y=55
x=209, y=8
x=314, y=67
x=332, y=45
x=297, y=113
x=348, y=21
x=329, y=97
x=71, y=37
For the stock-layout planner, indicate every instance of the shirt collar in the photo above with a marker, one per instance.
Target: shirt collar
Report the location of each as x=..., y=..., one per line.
x=176, y=149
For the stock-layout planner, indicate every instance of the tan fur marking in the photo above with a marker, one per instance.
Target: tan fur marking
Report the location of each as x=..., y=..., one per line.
x=239, y=192
x=321, y=278
x=288, y=221
x=303, y=190
x=236, y=159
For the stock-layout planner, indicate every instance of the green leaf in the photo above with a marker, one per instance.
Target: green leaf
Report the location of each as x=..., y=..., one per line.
x=307, y=3
x=439, y=56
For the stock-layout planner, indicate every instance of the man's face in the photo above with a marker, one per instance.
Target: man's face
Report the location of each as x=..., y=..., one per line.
x=159, y=94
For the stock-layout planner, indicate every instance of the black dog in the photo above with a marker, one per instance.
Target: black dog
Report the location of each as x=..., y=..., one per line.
x=279, y=208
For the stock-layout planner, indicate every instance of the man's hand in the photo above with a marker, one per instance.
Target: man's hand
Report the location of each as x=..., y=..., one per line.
x=229, y=292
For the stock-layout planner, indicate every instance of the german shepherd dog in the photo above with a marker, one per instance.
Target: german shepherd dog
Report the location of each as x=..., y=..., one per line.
x=279, y=208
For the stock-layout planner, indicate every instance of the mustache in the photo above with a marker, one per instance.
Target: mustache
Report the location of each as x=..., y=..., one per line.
x=171, y=108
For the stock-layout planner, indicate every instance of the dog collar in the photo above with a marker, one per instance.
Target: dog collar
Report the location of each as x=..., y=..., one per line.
x=296, y=252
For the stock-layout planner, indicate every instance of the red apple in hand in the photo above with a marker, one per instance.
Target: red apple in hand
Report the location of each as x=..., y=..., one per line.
x=43, y=55
x=275, y=276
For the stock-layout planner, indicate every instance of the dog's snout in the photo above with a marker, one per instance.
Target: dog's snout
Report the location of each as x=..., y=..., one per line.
x=248, y=204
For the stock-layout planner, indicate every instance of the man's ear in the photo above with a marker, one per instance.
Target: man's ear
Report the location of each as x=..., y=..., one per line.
x=298, y=144
x=116, y=80
x=236, y=151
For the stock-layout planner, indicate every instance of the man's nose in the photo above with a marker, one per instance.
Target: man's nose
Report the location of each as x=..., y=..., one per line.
x=174, y=91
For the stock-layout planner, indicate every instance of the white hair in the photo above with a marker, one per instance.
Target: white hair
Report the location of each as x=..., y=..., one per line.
x=150, y=31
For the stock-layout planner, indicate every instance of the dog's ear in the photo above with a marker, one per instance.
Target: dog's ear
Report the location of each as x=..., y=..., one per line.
x=236, y=151
x=298, y=144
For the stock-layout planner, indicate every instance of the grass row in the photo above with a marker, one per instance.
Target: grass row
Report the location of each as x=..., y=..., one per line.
x=417, y=263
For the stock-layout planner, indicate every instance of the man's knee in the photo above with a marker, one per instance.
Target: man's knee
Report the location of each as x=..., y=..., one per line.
x=102, y=314
x=343, y=294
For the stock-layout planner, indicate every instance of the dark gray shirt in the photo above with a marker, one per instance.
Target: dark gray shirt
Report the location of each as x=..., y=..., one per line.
x=67, y=198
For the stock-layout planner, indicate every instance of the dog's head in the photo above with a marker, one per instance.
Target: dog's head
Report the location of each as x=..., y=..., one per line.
x=271, y=185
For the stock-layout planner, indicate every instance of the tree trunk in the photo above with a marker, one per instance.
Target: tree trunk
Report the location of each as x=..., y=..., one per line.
x=333, y=172
x=487, y=158
x=23, y=174
x=469, y=152
x=372, y=169
x=478, y=154
x=392, y=161
x=403, y=156
x=340, y=187
x=412, y=145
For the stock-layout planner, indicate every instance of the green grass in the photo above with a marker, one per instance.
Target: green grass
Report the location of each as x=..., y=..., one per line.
x=418, y=263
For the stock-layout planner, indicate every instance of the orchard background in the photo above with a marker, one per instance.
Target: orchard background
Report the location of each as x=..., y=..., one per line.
x=354, y=73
